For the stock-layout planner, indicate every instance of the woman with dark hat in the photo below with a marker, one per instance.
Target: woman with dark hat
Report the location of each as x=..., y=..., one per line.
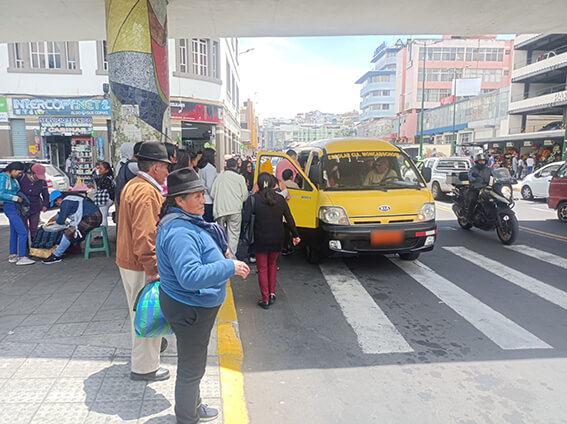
x=193, y=266
x=9, y=189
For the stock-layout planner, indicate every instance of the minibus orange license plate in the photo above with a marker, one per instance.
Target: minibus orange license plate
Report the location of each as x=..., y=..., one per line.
x=386, y=238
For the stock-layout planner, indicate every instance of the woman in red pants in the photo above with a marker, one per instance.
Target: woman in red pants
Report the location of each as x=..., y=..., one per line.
x=269, y=209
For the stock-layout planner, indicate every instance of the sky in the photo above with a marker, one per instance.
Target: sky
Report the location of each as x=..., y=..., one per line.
x=286, y=76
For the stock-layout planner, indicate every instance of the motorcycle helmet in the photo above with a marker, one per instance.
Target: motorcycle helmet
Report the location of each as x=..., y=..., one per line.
x=480, y=157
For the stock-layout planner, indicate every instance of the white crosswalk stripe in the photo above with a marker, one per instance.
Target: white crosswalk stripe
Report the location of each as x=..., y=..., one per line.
x=498, y=328
x=526, y=282
x=540, y=254
x=375, y=332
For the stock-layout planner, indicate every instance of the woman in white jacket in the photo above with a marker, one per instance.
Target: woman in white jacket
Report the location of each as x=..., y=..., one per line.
x=208, y=174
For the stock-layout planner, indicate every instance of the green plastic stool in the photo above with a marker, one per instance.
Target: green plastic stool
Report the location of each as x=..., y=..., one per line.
x=105, y=247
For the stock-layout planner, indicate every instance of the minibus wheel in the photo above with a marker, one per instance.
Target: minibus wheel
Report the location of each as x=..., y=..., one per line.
x=313, y=253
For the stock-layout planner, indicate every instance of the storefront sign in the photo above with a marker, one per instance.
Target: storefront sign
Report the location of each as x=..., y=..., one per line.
x=49, y=106
x=509, y=144
x=198, y=112
x=65, y=126
x=447, y=100
x=32, y=149
x=3, y=109
x=548, y=142
x=560, y=97
x=527, y=143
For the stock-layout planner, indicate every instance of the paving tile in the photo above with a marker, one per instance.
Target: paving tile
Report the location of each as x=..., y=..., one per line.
x=94, y=352
x=6, y=300
x=60, y=413
x=16, y=350
x=108, y=412
x=17, y=413
x=76, y=389
x=86, y=368
x=120, y=389
x=25, y=304
x=210, y=388
x=80, y=316
x=120, y=368
x=10, y=321
x=165, y=389
x=111, y=314
x=157, y=411
x=105, y=327
x=31, y=333
x=41, y=368
x=31, y=390
x=42, y=318
x=57, y=302
x=49, y=350
x=67, y=330
x=9, y=366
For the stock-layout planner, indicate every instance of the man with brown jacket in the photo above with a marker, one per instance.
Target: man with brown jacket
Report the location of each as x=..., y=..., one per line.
x=140, y=205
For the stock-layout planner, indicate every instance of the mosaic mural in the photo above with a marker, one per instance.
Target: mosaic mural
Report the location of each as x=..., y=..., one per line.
x=136, y=40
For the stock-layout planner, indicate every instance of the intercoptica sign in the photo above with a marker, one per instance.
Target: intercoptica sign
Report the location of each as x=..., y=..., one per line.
x=50, y=106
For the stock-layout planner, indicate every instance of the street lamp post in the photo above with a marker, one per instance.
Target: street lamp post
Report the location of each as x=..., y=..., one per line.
x=453, y=139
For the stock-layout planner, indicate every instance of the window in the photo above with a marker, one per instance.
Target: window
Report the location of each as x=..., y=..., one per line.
x=228, y=81
x=104, y=57
x=72, y=57
x=18, y=56
x=381, y=78
x=183, y=55
x=385, y=107
x=200, y=53
x=434, y=94
x=215, y=59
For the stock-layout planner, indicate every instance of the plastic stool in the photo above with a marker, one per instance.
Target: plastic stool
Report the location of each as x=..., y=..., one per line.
x=105, y=247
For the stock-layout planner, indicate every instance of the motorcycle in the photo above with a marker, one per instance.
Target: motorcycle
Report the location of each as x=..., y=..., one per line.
x=493, y=209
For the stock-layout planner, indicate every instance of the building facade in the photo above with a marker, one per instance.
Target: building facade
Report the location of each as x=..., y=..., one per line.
x=56, y=98
x=249, y=128
x=445, y=60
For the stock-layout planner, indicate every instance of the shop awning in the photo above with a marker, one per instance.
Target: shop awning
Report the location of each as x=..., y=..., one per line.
x=540, y=135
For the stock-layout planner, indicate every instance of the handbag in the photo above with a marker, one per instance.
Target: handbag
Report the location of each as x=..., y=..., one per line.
x=149, y=320
x=248, y=230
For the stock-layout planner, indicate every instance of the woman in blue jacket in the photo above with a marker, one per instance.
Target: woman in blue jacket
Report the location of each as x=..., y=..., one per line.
x=9, y=189
x=194, y=269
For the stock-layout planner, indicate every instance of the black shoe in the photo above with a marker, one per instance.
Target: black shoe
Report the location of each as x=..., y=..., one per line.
x=52, y=260
x=164, y=345
x=265, y=305
x=272, y=299
x=160, y=374
x=206, y=413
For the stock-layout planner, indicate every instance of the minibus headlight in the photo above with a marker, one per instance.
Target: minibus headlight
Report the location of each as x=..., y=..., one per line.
x=333, y=215
x=427, y=212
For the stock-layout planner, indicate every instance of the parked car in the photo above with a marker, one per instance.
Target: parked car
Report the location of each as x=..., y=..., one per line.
x=55, y=178
x=555, y=125
x=537, y=183
x=440, y=168
x=558, y=193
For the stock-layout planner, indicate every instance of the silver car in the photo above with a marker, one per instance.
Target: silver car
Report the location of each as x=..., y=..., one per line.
x=55, y=178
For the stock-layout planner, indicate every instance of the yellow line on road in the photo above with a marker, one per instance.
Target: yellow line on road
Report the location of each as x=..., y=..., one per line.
x=544, y=234
x=230, y=358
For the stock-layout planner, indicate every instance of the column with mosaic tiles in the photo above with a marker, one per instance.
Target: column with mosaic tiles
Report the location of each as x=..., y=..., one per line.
x=136, y=39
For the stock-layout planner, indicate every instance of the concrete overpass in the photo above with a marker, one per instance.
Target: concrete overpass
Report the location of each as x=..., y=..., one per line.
x=136, y=32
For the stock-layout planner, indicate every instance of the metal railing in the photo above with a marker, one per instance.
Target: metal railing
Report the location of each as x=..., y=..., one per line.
x=542, y=91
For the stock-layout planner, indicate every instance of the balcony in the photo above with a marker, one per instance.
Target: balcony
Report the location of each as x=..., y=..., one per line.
x=377, y=100
x=523, y=39
x=374, y=86
x=539, y=41
x=375, y=114
x=384, y=61
x=545, y=66
x=546, y=104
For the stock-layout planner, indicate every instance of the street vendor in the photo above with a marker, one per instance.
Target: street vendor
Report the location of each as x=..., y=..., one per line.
x=83, y=215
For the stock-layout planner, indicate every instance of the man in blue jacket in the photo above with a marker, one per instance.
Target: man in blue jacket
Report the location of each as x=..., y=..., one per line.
x=83, y=214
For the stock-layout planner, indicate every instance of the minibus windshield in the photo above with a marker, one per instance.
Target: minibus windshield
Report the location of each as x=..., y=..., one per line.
x=368, y=171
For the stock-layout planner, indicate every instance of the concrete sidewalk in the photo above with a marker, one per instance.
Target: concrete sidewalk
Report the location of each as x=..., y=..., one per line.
x=64, y=347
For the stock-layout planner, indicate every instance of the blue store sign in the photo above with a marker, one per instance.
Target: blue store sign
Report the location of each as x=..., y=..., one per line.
x=53, y=106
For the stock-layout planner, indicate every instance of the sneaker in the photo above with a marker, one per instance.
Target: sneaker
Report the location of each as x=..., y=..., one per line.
x=206, y=413
x=13, y=259
x=24, y=260
x=52, y=260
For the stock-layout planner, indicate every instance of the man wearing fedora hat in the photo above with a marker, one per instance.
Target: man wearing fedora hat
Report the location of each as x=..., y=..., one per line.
x=140, y=204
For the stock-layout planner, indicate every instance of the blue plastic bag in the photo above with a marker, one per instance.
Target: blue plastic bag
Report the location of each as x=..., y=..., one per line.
x=149, y=320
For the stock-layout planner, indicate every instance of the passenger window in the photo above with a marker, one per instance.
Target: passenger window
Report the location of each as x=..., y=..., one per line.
x=285, y=171
x=547, y=171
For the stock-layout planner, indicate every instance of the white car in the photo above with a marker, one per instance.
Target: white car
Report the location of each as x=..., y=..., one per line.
x=55, y=178
x=441, y=167
x=537, y=183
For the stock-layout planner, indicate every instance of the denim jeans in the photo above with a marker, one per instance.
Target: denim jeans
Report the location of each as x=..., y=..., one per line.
x=18, y=232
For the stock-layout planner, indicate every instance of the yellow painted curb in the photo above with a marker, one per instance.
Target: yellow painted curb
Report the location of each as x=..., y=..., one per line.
x=230, y=358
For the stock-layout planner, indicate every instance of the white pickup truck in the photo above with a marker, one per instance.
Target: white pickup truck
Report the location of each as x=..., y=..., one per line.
x=440, y=167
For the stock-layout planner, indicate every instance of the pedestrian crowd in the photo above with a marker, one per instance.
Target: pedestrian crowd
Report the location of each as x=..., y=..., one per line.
x=180, y=222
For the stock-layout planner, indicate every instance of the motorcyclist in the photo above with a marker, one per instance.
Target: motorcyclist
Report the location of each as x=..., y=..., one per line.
x=479, y=177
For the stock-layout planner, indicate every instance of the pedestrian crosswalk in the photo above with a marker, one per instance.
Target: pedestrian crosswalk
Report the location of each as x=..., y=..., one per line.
x=377, y=334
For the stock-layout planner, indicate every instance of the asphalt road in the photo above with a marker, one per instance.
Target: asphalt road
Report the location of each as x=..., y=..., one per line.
x=473, y=332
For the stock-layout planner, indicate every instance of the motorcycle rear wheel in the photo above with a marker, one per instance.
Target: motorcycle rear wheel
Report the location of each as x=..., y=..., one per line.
x=465, y=225
x=508, y=228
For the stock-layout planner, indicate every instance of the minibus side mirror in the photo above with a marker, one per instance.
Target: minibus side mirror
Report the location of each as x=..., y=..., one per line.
x=426, y=172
